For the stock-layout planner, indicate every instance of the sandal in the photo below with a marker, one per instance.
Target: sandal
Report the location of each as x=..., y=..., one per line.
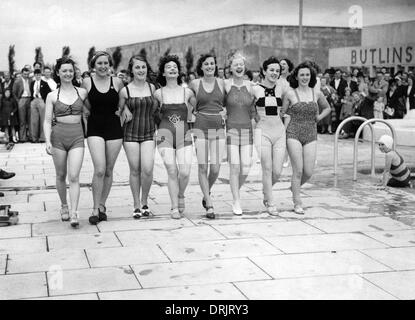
x=298, y=209
x=137, y=214
x=271, y=208
x=210, y=214
x=181, y=205
x=146, y=211
x=94, y=219
x=65, y=213
x=102, y=215
x=236, y=208
x=74, y=219
x=175, y=214
x=204, y=202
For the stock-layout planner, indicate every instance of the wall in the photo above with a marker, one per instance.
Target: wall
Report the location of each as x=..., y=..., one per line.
x=393, y=33
x=257, y=42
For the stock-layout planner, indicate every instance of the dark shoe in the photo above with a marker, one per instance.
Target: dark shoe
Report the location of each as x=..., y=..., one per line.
x=137, y=214
x=204, y=203
x=94, y=220
x=6, y=175
x=102, y=215
x=1, y=194
x=209, y=213
x=145, y=211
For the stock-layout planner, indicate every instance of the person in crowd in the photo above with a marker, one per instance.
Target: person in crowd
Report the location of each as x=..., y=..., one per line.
x=339, y=85
x=256, y=77
x=227, y=72
x=104, y=132
x=221, y=73
x=47, y=76
x=362, y=85
x=7, y=83
x=183, y=79
x=350, y=128
x=248, y=75
x=378, y=108
x=37, y=66
x=209, y=127
x=301, y=110
x=8, y=115
x=379, y=87
x=240, y=122
x=174, y=141
x=396, y=173
x=355, y=75
x=39, y=89
x=347, y=104
x=269, y=137
x=328, y=92
x=124, y=75
x=65, y=139
x=192, y=76
x=22, y=94
x=352, y=85
x=77, y=81
x=409, y=91
x=137, y=107
x=85, y=74
x=395, y=101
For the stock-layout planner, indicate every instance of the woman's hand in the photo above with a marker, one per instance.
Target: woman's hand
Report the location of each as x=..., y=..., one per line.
x=48, y=148
x=128, y=116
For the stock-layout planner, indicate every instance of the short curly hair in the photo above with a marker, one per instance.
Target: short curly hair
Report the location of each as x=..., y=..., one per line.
x=290, y=64
x=266, y=63
x=202, y=59
x=58, y=65
x=165, y=60
x=313, y=76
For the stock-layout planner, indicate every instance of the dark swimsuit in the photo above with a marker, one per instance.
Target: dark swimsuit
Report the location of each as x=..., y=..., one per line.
x=173, y=131
x=103, y=122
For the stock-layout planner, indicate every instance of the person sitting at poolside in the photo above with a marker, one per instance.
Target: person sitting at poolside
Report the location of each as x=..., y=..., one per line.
x=396, y=173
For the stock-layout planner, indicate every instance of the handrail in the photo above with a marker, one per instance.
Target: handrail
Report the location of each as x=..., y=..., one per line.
x=356, y=140
x=336, y=140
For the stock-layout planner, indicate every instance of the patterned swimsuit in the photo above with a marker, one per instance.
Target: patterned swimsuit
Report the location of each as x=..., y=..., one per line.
x=303, y=123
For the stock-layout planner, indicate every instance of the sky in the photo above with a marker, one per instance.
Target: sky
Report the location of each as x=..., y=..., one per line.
x=81, y=24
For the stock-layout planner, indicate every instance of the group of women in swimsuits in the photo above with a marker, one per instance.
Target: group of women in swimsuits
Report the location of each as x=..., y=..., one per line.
x=210, y=113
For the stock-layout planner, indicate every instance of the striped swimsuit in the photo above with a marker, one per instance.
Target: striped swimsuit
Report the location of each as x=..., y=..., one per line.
x=400, y=174
x=142, y=126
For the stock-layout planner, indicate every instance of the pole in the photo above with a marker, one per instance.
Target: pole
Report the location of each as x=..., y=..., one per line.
x=300, y=36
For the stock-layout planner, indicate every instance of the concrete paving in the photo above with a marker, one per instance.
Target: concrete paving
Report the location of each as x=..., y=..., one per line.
x=354, y=242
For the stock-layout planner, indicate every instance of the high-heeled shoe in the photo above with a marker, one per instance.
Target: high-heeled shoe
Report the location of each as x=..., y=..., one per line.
x=74, y=219
x=236, y=208
x=271, y=208
x=102, y=215
x=65, y=213
x=298, y=209
x=175, y=214
x=210, y=214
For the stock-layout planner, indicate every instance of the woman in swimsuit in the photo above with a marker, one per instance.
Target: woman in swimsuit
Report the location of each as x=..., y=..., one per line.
x=174, y=141
x=137, y=108
x=239, y=128
x=104, y=130
x=209, y=128
x=301, y=110
x=65, y=139
x=270, y=140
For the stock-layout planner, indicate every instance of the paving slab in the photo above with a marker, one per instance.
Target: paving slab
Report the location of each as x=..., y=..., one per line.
x=398, y=283
x=343, y=287
x=63, y=228
x=21, y=286
x=138, y=254
x=269, y=229
x=92, y=280
x=217, y=291
x=16, y=231
x=198, y=272
x=353, y=213
x=310, y=213
x=396, y=258
x=3, y=262
x=143, y=224
x=83, y=241
x=318, y=264
x=23, y=245
x=188, y=251
x=38, y=262
x=23, y=208
x=356, y=225
x=324, y=242
x=202, y=233
x=87, y=296
x=404, y=238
